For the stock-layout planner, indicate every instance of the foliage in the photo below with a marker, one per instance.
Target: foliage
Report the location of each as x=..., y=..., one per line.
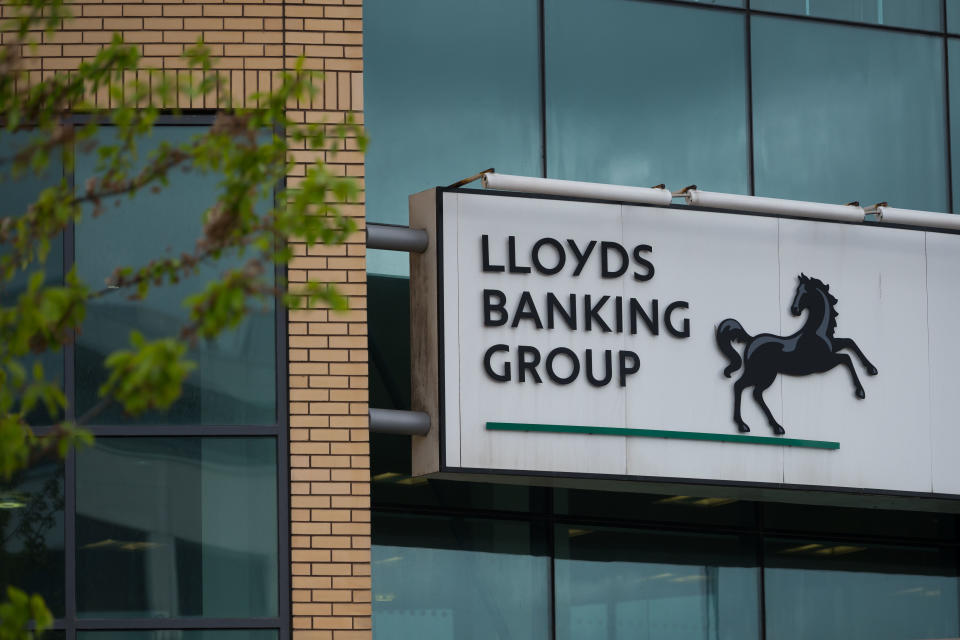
x=248, y=166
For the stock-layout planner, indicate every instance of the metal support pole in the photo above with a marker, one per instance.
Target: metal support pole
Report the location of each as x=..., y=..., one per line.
x=408, y=423
x=396, y=238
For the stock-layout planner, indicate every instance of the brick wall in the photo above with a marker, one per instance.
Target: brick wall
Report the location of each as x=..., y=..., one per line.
x=329, y=442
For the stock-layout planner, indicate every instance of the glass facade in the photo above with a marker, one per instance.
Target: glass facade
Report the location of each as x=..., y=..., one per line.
x=824, y=100
x=683, y=567
x=174, y=520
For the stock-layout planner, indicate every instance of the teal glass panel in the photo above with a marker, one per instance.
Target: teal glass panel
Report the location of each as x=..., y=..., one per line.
x=451, y=93
x=31, y=534
x=912, y=14
x=953, y=16
x=192, y=634
x=172, y=527
x=17, y=193
x=441, y=578
x=858, y=591
x=953, y=51
x=620, y=584
x=235, y=378
x=646, y=93
x=848, y=113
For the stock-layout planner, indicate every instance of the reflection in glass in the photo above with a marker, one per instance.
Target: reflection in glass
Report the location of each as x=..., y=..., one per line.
x=16, y=195
x=176, y=634
x=620, y=584
x=177, y=527
x=453, y=92
x=848, y=113
x=913, y=14
x=441, y=578
x=646, y=93
x=31, y=534
x=859, y=591
x=235, y=378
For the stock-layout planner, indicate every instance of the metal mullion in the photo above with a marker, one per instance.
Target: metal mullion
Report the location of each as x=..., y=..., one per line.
x=70, y=544
x=748, y=54
x=147, y=430
x=70, y=462
x=284, y=578
x=946, y=98
x=89, y=624
x=761, y=568
x=552, y=547
x=542, y=36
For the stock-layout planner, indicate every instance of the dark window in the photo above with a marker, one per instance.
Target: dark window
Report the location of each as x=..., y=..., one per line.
x=235, y=379
x=171, y=527
x=16, y=194
x=31, y=534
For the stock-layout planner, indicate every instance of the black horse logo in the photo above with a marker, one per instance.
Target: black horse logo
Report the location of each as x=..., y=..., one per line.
x=813, y=349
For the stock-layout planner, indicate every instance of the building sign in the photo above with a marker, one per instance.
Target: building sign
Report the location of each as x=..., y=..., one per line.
x=562, y=337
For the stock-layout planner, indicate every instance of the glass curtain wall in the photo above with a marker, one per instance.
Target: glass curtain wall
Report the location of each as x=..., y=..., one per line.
x=172, y=521
x=652, y=567
x=826, y=100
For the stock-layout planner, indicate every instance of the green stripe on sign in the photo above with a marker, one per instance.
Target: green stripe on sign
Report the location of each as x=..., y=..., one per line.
x=660, y=433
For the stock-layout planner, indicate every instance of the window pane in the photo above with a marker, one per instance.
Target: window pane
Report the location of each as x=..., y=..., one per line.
x=953, y=16
x=31, y=534
x=177, y=527
x=913, y=14
x=953, y=50
x=818, y=589
x=235, y=378
x=451, y=93
x=16, y=195
x=445, y=578
x=646, y=93
x=170, y=634
x=848, y=113
x=622, y=584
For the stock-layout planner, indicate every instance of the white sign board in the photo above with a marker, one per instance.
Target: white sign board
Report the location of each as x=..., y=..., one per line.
x=569, y=338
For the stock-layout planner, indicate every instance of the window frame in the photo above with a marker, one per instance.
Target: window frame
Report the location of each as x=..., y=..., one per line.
x=70, y=623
